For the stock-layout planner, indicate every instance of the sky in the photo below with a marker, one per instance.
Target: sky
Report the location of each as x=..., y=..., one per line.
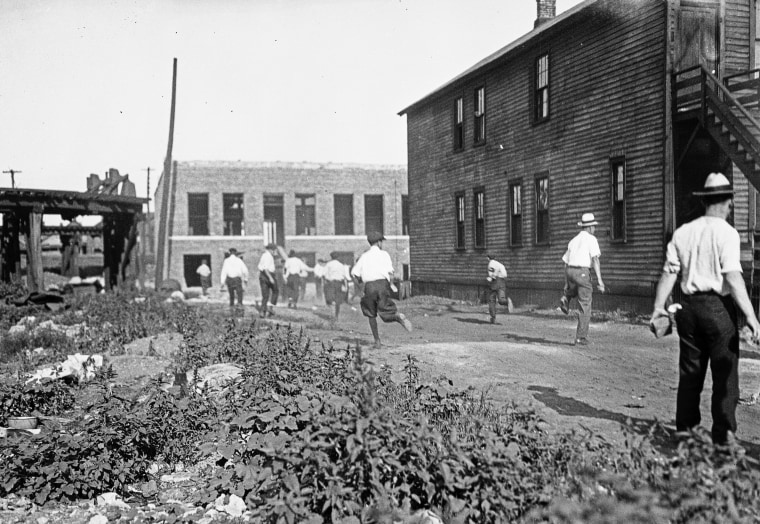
x=85, y=85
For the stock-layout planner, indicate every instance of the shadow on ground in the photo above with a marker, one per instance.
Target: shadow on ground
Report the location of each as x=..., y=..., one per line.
x=662, y=438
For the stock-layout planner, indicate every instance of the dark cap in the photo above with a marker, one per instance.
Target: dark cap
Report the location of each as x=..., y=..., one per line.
x=374, y=236
x=334, y=255
x=271, y=246
x=292, y=253
x=232, y=251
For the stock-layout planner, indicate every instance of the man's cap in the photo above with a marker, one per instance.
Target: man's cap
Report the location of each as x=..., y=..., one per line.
x=321, y=260
x=232, y=251
x=292, y=253
x=716, y=184
x=271, y=246
x=374, y=236
x=588, y=220
x=491, y=256
x=334, y=255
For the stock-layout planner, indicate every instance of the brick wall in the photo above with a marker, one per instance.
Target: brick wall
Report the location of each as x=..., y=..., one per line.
x=254, y=179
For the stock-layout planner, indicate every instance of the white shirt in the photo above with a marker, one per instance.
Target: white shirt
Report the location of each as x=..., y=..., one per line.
x=374, y=264
x=336, y=270
x=319, y=271
x=496, y=269
x=203, y=270
x=266, y=262
x=295, y=266
x=703, y=251
x=233, y=267
x=581, y=249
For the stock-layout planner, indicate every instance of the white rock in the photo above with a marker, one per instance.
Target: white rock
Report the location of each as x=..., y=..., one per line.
x=215, y=376
x=111, y=499
x=235, y=507
x=177, y=296
x=98, y=519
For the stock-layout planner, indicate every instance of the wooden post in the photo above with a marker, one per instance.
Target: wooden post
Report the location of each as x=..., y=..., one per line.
x=34, y=270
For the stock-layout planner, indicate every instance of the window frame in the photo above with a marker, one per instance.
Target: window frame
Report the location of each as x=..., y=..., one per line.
x=228, y=227
x=459, y=124
x=479, y=116
x=405, y=215
x=542, y=226
x=300, y=209
x=517, y=184
x=479, y=222
x=618, y=206
x=460, y=221
x=381, y=198
x=344, y=230
x=191, y=216
x=541, y=98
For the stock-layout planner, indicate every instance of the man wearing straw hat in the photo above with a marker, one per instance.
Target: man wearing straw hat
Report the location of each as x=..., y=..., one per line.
x=705, y=252
x=582, y=254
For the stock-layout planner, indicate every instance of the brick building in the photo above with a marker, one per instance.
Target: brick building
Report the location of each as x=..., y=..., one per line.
x=311, y=208
x=617, y=107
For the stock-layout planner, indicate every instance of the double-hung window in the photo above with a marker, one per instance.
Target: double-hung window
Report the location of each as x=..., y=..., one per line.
x=197, y=213
x=618, y=230
x=541, y=94
x=480, y=115
x=306, y=216
x=232, y=214
x=459, y=124
x=460, y=220
x=542, y=209
x=479, y=202
x=515, y=214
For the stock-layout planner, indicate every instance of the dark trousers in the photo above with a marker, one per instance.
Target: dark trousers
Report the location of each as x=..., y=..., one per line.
x=293, y=285
x=235, y=287
x=579, y=286
x=496, y=285
x=269, y=291
x=205, y=283
x=377, y=301
x=707, y=327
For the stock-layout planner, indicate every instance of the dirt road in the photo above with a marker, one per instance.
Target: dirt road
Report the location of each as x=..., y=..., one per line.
x=528, y=357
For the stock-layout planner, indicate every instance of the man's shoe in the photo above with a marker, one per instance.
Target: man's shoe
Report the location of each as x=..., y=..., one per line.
x=377, y=344
x=581, y=342
x=493, y=320
x=564, y=305
x=405, y=322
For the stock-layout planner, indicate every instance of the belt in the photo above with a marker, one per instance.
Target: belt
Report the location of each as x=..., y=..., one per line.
x=578, y=267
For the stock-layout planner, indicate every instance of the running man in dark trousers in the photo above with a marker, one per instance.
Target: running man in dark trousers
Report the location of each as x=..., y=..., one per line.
x=705, y=252
x=268, y=280
x=375, y=270
x=582, y=254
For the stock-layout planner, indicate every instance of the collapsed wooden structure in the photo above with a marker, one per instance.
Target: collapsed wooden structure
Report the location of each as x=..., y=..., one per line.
x=22, y=211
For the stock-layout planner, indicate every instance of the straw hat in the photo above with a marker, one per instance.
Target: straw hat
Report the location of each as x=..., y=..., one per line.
x=588, y=220
x=716, y=184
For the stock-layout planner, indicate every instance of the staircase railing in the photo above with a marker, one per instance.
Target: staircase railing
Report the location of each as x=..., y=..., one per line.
x=698, y=91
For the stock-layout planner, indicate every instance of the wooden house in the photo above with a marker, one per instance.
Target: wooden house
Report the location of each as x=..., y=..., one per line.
x=616, y=107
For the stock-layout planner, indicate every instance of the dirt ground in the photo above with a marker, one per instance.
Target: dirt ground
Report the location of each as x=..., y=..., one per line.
x=625, y=375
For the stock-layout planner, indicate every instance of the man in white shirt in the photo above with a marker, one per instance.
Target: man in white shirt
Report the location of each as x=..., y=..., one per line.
x=375, y=270
x=582, y=254
x=706, y=252
x=268, y=280
x=205, y=273
x=295, y=271
x=319, y=275
x=234, y=274
x=336, y=279
x=497, y=285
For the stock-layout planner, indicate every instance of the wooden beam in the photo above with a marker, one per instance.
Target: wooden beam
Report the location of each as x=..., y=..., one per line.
x=34, y=270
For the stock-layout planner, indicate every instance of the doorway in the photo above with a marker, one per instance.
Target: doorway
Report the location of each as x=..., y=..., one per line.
x=191, y=263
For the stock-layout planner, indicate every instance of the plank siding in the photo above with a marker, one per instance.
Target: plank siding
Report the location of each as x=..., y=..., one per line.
x=608, y=96
x=601, y=106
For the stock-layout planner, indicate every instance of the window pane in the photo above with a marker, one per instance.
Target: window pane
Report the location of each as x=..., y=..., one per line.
x=344, y=214
x=480, y=223
x=232, y=214
x=373, y=214
x=197, y=213
x=306, y=220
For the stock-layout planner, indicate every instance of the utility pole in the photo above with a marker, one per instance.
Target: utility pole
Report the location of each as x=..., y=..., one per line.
x=13, y=172
x=148, y=189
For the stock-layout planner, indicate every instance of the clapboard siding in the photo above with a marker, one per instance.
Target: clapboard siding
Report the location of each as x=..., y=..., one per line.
x=608, y=99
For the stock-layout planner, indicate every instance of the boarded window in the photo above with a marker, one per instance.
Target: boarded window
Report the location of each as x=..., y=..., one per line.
x=373, y=214
x=459, y=124
x=405, y=214
x=232, y=214
x=542, y=209
x=197, y=213
x=344, y=214
x=541, y=95
x=618, y=198
x=515, y=214
x=306, y=218
x=480, y=115
x=479, y=203
x=460, y=221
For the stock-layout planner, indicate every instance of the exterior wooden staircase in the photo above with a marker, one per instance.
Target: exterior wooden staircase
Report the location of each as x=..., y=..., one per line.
x=730, y=113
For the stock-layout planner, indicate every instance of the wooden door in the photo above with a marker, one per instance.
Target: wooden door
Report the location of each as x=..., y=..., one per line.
x=698, y=37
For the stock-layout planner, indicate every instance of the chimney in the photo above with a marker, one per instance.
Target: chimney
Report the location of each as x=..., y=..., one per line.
x=546, y=9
